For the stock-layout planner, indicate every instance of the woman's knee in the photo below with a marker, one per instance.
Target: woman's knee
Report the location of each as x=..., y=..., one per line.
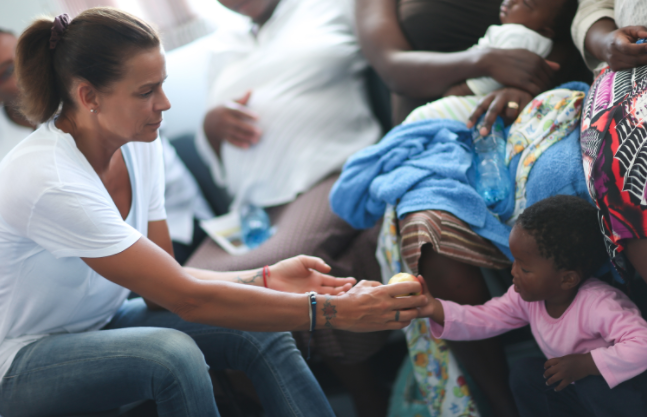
x=170, y=348
x=272, y=343
x=262, y=347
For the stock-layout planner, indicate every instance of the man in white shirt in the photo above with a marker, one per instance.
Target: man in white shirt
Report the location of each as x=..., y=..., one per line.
x=13, y=125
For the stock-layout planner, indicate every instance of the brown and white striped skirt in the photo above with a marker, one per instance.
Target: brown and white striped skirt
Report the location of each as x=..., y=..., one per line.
x=449, y=236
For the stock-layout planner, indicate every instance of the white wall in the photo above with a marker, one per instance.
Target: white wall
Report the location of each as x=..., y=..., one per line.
x=16, y=15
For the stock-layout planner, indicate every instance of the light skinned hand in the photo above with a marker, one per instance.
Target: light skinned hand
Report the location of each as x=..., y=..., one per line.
x=370, y=306
x=496, y=104
x=620, y=51
x=568, y=369
x=303, y=273
x=232, y=122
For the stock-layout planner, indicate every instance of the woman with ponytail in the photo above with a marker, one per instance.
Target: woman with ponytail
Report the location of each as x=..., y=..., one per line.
x=82, y=223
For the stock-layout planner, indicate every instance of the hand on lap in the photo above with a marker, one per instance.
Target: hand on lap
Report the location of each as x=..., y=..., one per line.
x=568, y=369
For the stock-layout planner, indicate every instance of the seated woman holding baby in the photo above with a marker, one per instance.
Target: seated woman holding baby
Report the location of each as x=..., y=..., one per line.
x=440, y=246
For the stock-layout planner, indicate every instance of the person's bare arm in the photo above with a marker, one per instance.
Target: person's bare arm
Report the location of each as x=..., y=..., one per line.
x=421, y=74
x=616, y=47
x=299, y=274
x=151, y=272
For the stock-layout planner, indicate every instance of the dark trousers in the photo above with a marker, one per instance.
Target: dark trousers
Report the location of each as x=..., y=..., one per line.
x=588, y=397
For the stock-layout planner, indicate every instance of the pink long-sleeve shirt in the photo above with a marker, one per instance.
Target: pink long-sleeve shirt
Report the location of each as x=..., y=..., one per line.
x=601, y=320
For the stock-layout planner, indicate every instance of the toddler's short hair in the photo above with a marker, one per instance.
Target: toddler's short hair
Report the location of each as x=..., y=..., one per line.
x=566, y=231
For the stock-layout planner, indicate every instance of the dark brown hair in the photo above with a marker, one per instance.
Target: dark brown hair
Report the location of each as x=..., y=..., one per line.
x=94, y=47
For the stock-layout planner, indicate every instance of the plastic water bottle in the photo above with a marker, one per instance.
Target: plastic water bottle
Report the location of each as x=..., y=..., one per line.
x=255, y=225
x=492, y=178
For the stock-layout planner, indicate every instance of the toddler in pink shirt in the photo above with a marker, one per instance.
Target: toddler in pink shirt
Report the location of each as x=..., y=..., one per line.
x=589, y=331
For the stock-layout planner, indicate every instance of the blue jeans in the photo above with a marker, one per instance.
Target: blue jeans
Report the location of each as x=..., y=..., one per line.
x=155, y=355
x=588, y=397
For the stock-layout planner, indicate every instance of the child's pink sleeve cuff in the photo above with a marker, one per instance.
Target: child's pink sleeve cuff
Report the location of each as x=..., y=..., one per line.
x=438, y=331
x=599, y=359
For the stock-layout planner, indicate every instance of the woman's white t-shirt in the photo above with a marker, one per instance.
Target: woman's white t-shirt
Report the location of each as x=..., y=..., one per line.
x=54, y=209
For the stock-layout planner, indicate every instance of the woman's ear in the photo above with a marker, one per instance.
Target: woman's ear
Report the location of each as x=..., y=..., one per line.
x=570, y=279
x=86, y=96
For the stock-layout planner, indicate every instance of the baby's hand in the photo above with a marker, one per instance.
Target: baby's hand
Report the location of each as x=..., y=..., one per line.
x=569, y=368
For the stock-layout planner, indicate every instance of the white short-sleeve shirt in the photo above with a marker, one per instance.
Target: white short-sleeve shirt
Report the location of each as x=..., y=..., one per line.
x=54, y=209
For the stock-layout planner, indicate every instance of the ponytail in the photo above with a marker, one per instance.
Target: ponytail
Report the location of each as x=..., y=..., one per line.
x=40, y=98
x=94, y=47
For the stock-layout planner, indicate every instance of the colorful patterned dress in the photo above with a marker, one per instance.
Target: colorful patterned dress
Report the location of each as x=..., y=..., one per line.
x=614, y=154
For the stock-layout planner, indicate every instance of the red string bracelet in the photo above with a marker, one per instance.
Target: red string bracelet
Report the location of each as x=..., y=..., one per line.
x=266, y=275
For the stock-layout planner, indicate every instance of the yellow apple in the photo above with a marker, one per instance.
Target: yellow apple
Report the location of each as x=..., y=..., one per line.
x=403, y=277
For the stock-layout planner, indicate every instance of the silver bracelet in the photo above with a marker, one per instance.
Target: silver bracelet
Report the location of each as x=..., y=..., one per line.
x=309, y=309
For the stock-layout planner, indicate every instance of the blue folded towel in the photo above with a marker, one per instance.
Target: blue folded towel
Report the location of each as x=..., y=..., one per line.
x=427, y=165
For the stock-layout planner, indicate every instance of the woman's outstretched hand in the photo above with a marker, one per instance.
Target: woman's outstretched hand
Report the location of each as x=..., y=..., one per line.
x=370, y=306
x=306, y=273
x=506, y=102
x=232, y=122
x=519, y=68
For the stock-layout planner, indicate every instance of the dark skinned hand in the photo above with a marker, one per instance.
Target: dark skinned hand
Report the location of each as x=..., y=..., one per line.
x=568, y=369
x=520, y=68
x=620, y=51
x=496, y=104
x=232, y=122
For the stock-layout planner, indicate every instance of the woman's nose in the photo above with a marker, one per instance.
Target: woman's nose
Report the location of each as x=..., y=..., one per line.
x=164, y=103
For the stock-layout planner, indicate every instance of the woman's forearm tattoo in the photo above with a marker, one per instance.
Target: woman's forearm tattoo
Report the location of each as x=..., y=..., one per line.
x=329, y=311
x=250, y=280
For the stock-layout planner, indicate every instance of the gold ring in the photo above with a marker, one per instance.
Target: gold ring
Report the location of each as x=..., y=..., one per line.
x=513, y=105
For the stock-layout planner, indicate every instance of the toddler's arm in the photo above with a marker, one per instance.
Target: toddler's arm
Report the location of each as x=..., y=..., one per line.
x=616, y=319
x=463, y=322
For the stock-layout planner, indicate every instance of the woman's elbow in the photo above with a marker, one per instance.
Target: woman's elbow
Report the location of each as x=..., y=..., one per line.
x=187, y=309
x=393, y=75
x=187, y=303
